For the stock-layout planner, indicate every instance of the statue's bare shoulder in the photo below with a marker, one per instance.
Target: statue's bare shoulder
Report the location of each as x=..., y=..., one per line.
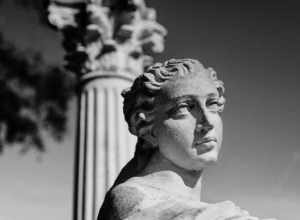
x=135, y=199
x=126, y=199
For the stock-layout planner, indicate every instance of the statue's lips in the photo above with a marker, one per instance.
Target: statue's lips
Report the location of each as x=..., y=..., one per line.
x=205, y=144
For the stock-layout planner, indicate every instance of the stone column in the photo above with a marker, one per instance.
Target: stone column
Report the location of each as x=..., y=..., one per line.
x=107, y=43
x=104, y=144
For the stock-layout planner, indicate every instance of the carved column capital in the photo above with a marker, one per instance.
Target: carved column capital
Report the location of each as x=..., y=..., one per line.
x=115, y=35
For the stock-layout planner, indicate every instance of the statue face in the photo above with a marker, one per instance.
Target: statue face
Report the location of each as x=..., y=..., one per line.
x=188, y=127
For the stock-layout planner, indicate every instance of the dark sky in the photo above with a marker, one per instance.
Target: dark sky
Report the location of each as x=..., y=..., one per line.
x=255, y=48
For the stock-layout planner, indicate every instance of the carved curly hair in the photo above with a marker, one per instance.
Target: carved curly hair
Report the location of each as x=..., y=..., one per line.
x=139, y=100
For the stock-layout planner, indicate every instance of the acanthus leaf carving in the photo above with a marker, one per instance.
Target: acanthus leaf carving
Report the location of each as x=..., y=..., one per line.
x=119, y=35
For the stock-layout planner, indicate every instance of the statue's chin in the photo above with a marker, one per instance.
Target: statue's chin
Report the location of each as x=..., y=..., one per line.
x=205, y=165
x=204, y=160
x=199, y=165
x=206, y=157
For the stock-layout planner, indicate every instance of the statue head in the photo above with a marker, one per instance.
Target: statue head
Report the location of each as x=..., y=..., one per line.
x=174, y=107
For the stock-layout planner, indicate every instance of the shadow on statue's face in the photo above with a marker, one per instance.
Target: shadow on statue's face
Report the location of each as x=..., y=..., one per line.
x=188, y=127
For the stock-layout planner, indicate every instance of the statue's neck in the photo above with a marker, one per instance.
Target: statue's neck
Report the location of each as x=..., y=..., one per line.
x=166, y=175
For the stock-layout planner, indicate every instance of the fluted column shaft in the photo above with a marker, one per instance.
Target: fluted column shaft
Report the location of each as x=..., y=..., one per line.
x=104, y=144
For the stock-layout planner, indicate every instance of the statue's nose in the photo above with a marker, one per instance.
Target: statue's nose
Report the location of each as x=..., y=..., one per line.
x=204, y=127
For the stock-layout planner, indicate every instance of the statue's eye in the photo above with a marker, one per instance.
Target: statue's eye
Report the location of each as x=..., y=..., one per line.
x=182, y=109
x=214, y=104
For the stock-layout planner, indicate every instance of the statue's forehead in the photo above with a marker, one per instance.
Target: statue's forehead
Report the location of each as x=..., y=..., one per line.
x=198, y=85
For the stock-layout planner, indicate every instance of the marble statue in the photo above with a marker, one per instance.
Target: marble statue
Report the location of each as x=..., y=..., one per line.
x=174, y=110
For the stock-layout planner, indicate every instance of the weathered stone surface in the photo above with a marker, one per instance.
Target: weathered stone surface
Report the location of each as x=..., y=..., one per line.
x=110, y=36
x=135, y=200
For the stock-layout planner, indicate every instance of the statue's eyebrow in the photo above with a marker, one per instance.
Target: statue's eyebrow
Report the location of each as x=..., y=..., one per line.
x=183, y=98
x=213, y=95
x=172, y=101
x=193, y=97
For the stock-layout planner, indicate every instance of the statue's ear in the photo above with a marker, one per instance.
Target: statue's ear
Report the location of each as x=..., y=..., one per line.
x=151, y=138
x=148, y=134
x=143, y=127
